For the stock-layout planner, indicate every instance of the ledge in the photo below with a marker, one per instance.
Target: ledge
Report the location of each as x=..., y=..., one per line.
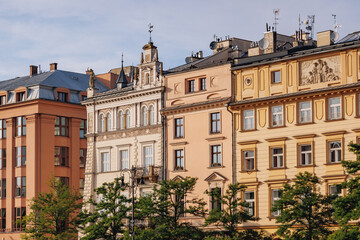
x=178, y=143
x=215, y=138
x=305, y=136
x=248, y=142
x=276, y=139
x=334, y=133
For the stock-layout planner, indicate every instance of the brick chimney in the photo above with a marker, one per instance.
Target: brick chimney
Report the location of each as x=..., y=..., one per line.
x=53, y=66
x=33, y=70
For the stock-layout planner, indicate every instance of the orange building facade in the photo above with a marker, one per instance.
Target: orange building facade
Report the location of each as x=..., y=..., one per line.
x=43, y=129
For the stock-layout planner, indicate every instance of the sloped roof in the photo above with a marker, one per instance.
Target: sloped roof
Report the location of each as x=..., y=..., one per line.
x=355, y=36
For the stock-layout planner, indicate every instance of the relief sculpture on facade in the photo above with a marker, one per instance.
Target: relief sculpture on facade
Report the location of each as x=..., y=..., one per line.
x=320, y=70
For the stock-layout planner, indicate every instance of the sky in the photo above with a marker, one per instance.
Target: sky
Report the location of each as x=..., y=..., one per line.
x=78, y=34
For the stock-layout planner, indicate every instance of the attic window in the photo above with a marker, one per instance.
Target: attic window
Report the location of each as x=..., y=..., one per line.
x=3, y=100
x=20, y=96
x=275, y=77
x=62, y=97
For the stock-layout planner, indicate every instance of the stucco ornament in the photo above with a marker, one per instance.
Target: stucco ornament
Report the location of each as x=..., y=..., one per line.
x=321, y=70
x=92, y=79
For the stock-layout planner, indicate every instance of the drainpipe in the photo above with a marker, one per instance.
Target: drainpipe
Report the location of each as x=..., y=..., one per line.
x=232, y=144
x=163, y=125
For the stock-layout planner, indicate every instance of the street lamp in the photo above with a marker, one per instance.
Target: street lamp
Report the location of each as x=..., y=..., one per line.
x=132, y=175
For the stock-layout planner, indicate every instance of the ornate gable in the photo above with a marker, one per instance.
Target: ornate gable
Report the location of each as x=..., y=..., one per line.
x=215, y=177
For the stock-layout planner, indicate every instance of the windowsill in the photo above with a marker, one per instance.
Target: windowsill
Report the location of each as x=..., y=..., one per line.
x=272, y=169
x=307, y=123
x=248, y=171
x=213, y=133
x=23, y=166
x=61, y=136
x=61, y=166
x=179, y=170
x=329, y=164
x=305, y=166
x=82, y=167
x=276, y=127
x=20, y=136
x=214, y=167
x=20, y=197
x=275, y=83
x=175, y=138
x=250, y=130
x=334, y=120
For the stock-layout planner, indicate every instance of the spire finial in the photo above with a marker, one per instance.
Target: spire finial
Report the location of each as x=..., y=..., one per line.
x=122, y=60
x=150, y=30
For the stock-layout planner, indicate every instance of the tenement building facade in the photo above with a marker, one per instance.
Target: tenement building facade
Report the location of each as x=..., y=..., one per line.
x=125, y=128
x=42, y=135
x=294, y=110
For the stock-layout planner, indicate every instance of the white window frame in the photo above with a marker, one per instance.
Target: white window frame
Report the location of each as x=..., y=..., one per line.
x=124, y=161
x=277, y=157
x=250, y=201
x=101, y=122
x=180, y=167
x=108, y=122
x=273, y=200
x=333, y=190
x=144, y=116
x=277, y=117
x=334, y=109
x=248, y=120
x=336, y=151
x=121, y=120
x=127, y=118
x=307, y=155
x=151, y=115
x=249, y=159
x=151, y=155
x=305, y=112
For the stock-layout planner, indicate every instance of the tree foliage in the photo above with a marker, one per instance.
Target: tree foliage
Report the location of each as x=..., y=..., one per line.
x=347, y=208
x=54, y=213
x=108, y=219
x=232, y=211
x=304, y=209
x=163, y=208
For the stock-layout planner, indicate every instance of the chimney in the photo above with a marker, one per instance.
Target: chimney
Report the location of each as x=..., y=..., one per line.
x=53, y=66
x=33, y=70
x=324, y=38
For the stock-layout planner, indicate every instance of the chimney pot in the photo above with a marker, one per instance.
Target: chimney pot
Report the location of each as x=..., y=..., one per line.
x=33, y=70
x=53, y=66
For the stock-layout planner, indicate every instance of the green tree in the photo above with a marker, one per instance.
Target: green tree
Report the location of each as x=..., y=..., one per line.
x=53, y=213
x=107, y=221
x=163, y=208
x=347, y=208
x=231, y=210
x=304, y=209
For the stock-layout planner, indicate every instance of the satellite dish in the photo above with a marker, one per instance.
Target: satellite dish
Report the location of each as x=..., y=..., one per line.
x=263, y=43
x=334, y=36
x=188, y=60
x=213, y=45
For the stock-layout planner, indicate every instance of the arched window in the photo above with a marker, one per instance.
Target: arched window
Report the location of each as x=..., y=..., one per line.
x=152, y=115
x=108, y=122
x=147, y=78
x=127, y=119
x=144, y=114
x=121, y=120
x=102, y=123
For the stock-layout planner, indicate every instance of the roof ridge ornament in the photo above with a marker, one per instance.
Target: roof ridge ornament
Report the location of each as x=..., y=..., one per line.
x=150, y=30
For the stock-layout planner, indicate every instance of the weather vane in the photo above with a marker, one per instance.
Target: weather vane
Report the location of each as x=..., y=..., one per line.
x=150, y=29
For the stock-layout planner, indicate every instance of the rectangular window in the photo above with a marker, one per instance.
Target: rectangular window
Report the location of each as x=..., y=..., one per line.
x=180, y=203
x=3, y=100
x=62, y=97
x=277, y=116
x=335, y=190
x=305, y=115
x=305, y=155
x=82, y=128
x=334, y=151
x=63, y=180
x=215, y=196
x=20, y=96
x=215, y=123
x=3, y=188
x=276, y=77
x=124, y=159
x=62, y=156
x=19, y=224
x=82, y=186
x=275, y=196
x=3, y=158
x=249, y=160
x=216, y=156
x=334, y=107
x=105, y=162
x=202, y=83
x=191, y=86
x=248, y=119
x=179, y=127
x=277, y=158
x=3, y=219
x=179, y=159
x=20, y=126
x=249, y=197
x=20, y=187
x=2, y=129
x=20, y=156
x=62, y=126
x=148, y=158
x=83, y=152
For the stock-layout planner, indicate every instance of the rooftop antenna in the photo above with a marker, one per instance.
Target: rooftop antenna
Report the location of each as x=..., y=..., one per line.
x=336, y=26
x=276, y=17
x=150, y=30
x=310, y=24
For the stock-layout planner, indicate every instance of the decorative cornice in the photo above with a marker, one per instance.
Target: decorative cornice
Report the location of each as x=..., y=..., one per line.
x=215, y=138
x=305, y=136
x=334, y=133
x=276, y=139
x=178, y=143
x=248, y=142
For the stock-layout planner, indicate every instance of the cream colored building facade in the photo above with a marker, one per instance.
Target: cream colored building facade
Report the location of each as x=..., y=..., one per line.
x=294, y=111
x=125, y=128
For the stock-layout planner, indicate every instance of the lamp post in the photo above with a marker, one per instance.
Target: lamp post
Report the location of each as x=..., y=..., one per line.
x=132, y=175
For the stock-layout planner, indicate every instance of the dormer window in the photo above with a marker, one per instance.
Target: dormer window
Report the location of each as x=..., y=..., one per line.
x=3, y=100
x=62, y=97
x=20, y=96
x=191, y=86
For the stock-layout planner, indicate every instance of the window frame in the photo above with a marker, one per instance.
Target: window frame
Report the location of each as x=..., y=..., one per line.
x=105, y=162
x=271, y=152
x=272, y=215
x=83, y=128
x=20, y=160
x=328, y=106
x=180, y=167
x=300, y=110
x=253, y=201
x=243, y=128
x=180, y=127
x=18, y=223
x=272, y=116
x=20, y=129
x=62, y=96
x=216, y=154
x=61, y=127
x=3, y=99
x=328, y=142
x=2, y=129
x=3, y=219
x=127, y=119
x=63, y=156
x=82, y=157
x=217, y=123
x=146, y=156
x=20, y=96
x=273, y=76
x=122, y=160
x=3, y=188
x=243, y=158
x=190, y=86
x=215, y=205
x=202, y=84
x=2, y=158
x=151, y=113
x=299, y=162
x=20, y=190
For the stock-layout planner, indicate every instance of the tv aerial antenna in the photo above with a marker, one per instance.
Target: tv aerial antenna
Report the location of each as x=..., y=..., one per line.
x=150, y=30
x=276, y=17
x=310, y=24
x=336, y=25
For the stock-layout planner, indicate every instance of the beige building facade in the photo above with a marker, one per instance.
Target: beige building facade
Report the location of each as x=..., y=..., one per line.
x=125, y=130
x=294, y=111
